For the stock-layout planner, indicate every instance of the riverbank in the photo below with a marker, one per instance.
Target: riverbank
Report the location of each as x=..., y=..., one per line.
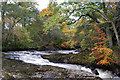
x=15, y=69
x=82, y=58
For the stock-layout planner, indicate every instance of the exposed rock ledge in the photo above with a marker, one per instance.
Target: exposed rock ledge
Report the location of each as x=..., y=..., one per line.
x=18, y=70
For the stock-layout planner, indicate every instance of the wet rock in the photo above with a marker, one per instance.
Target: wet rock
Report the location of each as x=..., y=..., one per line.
x=82, y=75
x=26, y=53
x=49, y=51
x=70, y=52
x=95, y=72
x=76, y=50
x=32, y=50
x=36, y=54
x=117, y=71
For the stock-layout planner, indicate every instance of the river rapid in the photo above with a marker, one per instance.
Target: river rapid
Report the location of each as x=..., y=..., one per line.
x=34, y=57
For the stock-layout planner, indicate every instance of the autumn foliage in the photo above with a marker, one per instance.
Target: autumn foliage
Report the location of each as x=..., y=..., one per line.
x=49, y=11
x=68, y=44
x=100, y=51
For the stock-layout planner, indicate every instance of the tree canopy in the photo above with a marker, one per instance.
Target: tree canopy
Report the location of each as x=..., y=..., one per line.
x=91, y=26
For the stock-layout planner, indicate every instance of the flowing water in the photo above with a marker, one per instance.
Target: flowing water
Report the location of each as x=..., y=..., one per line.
x=34, y=57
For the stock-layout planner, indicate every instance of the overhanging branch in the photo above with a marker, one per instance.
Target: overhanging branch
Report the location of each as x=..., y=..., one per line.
x=103, y=16
x=77, y=19
x=81, y=17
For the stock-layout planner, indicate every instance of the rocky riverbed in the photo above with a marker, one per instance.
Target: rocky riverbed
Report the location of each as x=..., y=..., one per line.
x=82, y=58
x=15, y=69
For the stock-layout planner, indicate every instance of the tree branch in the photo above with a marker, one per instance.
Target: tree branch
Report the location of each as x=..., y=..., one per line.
x=103, y=16
x=77, y=19
x=116, y=18
x=17, y=22
x=82, y=16
x=93, y=18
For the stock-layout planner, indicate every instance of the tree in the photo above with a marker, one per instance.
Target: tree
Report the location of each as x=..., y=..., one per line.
x=15, y=19
x=100, y=51
x=84, y=10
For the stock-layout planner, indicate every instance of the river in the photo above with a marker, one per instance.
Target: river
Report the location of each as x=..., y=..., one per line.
x=34, y=57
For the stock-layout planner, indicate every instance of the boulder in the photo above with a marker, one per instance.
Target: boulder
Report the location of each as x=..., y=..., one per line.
x=95, y=72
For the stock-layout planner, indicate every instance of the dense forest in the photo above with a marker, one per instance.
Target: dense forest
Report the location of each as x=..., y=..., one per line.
x=92, y=27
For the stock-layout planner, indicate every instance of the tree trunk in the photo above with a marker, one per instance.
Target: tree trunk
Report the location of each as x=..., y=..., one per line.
x=107, y=30
x=110, y=38
x=116, y=34
x=3, y=15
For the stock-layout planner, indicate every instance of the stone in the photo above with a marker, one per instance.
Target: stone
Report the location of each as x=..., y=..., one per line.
x=26, y=53
x=70, y=52
x=95, y=72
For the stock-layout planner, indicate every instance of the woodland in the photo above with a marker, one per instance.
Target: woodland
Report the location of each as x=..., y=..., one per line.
x=90, y=27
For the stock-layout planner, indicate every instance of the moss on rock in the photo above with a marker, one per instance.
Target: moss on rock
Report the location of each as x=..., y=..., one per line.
x=81, y=58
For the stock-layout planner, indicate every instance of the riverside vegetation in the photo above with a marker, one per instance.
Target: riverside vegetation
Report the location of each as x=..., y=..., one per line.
x=92, y=28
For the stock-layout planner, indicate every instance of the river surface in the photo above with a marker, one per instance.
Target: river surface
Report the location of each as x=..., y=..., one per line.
x=34, y=57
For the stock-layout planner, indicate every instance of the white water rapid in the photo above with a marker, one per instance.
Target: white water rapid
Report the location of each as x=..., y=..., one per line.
x=34, y=57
